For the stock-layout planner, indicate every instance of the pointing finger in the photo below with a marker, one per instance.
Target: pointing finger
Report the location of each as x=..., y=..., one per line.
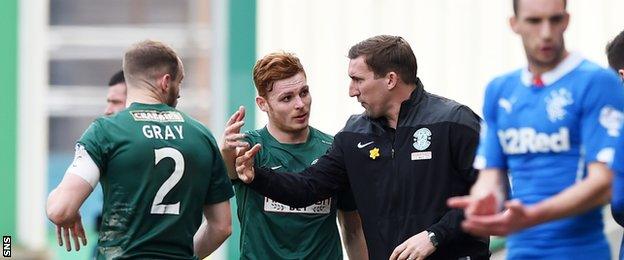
x=233, y=118
x=234, y=128
x=459, y=202
x=241, y=113
x=253, y=151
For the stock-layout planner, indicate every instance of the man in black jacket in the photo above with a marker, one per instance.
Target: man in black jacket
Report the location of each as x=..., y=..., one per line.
x=403, y=158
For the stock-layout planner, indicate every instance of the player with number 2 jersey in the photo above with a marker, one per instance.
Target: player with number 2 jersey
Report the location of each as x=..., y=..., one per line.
x=158, y=168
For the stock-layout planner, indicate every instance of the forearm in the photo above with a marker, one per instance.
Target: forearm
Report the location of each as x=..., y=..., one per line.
x=591, y=192
x=59, y=213
x=355, y=245
x=448, y=228
x=296, y=190
x=229, y=158
x=352, y=234
x=489, y=181
x=65, y=201
x=208, y=238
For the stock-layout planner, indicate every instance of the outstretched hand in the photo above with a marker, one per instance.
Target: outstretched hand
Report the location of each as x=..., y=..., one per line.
x=232, y=138
x=516, y=216
x=486, y=204
x=74, y=230
x=245, y=163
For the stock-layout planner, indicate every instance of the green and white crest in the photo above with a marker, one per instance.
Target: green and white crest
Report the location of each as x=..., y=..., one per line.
x=422, y=139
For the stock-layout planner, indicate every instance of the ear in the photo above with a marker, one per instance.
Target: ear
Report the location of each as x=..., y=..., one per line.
x=164, y=83
x=621, y=72
x=513, y=22
x=392, y=79
x=566, y=20
x=262, y=104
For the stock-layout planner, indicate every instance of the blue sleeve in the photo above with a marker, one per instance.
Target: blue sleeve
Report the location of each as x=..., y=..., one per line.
x=601, y=123
x=490, y=153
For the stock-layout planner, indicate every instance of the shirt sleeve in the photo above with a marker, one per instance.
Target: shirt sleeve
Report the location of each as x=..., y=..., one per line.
x=220, y=188
x=93, y=140
x=463, y=139
x=318, y=182
x=602, y=117
x=489, y=152
x=346, y=201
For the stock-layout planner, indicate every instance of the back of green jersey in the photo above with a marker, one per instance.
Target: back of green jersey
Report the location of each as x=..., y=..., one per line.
x=158, y=168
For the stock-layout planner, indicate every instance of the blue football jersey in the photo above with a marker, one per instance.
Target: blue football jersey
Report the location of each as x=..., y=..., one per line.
x=545, y=137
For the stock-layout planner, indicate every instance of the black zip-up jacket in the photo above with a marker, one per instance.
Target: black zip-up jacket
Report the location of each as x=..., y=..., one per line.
x=400, y=178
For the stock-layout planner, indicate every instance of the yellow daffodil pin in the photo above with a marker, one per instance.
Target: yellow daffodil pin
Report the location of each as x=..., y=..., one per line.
x=374, y=153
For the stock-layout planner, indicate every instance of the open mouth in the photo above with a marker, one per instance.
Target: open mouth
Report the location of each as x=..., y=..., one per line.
x=301, y=117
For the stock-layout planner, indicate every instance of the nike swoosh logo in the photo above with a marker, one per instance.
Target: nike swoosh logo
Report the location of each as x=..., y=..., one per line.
x=360, y=145
x=276, y=167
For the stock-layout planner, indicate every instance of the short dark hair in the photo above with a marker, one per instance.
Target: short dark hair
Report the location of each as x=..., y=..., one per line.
x=515, y=5
x=615, y=52
x=273, y=67
x=385, y=53
x=150, y=60
x=117, y=78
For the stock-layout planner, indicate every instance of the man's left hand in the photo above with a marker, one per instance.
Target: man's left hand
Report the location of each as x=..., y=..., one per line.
x=415, y=248
x=72, y=230
x=516, y=216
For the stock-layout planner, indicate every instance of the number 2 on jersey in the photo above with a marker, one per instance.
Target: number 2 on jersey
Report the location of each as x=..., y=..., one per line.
x=178, y=159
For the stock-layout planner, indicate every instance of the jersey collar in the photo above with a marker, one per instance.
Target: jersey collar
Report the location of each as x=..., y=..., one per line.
x=563, y=68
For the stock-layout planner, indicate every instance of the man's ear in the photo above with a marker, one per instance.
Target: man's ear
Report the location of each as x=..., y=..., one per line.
x=392, y=79
x=165, y=80
x=513, y=21
x=262, y=104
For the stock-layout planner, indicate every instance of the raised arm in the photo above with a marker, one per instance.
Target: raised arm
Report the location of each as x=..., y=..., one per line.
x=232, y=140
x=318, y=182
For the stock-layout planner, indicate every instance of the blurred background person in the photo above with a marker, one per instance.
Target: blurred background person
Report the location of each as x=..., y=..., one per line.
x=615, y=56
x=552, y=127
x=116, y=95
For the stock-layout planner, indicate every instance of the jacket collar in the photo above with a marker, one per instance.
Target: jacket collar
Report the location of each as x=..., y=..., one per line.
x=415, y=97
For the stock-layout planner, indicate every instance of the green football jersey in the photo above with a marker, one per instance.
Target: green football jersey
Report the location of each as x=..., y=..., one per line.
x=271, y=230
x=158, y=168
